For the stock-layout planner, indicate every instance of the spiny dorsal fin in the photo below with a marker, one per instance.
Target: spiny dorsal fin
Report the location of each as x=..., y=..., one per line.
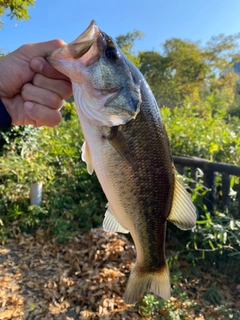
x=110, y=223
x=86, y=157
x=183, y=212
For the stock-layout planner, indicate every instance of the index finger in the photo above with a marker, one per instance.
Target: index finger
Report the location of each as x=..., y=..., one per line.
x=40, y=65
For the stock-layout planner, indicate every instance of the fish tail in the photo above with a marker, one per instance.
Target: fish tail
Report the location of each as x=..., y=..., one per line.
x=140, y=282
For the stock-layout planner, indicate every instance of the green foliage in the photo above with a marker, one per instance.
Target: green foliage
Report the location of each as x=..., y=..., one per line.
x=160, y=77
x=126, y=43
x=234, y=110
x=72, y=199
x=17, y=9
x=218, y=233
x=17, y=137
x=185, y=68
x=214, y=296
x=210, y=134
x=204, y=132
x=174, y=309
x=220, y=51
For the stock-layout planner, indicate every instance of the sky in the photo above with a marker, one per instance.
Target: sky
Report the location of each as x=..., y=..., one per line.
x=159, y=20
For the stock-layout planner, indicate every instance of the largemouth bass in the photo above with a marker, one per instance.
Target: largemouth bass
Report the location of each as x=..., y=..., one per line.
x=127, y=145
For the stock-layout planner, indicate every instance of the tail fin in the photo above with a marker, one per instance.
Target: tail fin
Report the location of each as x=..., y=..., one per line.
x=139, y=283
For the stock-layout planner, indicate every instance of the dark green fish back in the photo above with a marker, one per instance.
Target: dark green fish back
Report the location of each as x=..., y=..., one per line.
x=153, y=176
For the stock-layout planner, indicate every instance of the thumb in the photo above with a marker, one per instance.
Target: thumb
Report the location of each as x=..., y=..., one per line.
x=41, y=49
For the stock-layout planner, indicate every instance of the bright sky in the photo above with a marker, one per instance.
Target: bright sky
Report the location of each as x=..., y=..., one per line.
x=157, y=19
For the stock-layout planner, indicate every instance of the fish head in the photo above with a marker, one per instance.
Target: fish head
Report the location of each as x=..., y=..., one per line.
x=104, y=87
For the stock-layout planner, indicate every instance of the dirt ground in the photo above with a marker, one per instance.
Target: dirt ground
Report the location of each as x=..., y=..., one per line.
x=84, y=278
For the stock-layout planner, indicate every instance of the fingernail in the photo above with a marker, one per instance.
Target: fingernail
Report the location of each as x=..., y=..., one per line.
x=28, y=106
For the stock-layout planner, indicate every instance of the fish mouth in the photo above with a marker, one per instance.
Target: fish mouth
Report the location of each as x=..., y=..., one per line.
x=75, y=49
x=84, y=42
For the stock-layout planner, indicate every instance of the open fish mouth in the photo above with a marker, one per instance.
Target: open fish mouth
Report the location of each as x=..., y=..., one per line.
x=76, y=50
x=79, y=47
x=83, y=43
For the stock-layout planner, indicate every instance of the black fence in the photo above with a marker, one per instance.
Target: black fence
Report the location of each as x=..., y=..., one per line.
x=210, y=170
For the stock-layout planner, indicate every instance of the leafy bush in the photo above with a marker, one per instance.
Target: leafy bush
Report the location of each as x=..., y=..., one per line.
x=72, y=198
x=170, y=309
x=17, y=137
x=203, y=132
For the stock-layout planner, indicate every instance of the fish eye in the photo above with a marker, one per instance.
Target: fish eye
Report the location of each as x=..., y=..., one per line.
x=112, y=53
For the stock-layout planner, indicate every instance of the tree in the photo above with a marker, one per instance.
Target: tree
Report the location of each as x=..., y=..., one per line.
x=176, y=73
x=221, y=53
x=186, y=68
x=18, y=9
x=157, y=71
x=127, y=41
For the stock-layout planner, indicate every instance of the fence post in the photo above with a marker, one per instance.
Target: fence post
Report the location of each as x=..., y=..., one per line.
x=180, y=169
x=225, y=190
x=210, y=197
x=239, y=200
x=194, y=177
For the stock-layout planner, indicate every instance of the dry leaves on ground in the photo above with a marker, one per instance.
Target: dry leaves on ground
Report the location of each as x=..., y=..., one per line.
x=84, y=278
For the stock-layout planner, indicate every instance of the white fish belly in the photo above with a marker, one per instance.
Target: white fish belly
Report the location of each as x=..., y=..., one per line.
x=116, y=177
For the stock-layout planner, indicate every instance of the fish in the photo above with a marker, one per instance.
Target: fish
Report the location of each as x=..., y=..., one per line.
x=127, y=146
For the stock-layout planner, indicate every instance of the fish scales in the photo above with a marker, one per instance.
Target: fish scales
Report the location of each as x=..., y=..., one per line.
x=128, y=147
x=151, y=181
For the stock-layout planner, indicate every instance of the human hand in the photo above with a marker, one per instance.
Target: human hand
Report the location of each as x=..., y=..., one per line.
x=30, y=88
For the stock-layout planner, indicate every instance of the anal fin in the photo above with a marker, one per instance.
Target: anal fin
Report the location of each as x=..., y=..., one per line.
x=111, y=224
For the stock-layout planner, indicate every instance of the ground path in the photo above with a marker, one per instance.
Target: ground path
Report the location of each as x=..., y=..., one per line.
x=84, y=278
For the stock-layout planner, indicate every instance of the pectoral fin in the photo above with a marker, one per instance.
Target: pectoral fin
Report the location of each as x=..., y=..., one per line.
x=183, y=212
x=110, y=223
x=86, y=157
x=120, y=144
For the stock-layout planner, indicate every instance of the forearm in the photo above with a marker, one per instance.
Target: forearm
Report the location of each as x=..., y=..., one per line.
x=5, y=119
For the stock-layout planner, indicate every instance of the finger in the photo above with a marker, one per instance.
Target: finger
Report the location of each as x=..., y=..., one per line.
x=40, y=49
x=62, y=87
x=41, y=96
x=40, y=65
x=42, y=115
x=43, y=48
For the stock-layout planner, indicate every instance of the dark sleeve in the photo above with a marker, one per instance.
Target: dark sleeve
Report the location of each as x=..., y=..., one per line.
x=5, y=119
